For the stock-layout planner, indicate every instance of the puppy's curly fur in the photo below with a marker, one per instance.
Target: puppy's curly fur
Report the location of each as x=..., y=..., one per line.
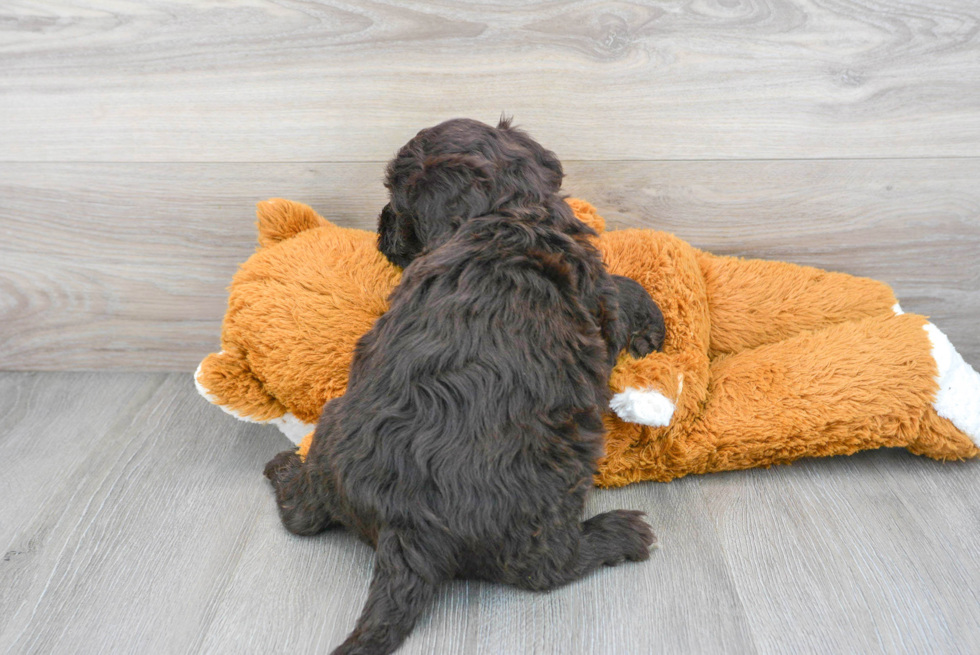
x=467, y=439
x=462, y=168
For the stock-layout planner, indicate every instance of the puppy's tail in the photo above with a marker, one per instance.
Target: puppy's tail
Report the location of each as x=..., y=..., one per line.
x=403, y=584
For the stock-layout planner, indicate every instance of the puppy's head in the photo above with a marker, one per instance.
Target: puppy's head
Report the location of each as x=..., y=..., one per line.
x=455, y=171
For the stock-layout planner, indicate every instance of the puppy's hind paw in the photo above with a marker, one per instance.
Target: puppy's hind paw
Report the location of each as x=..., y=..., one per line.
x=623, y=535
x=279, y=465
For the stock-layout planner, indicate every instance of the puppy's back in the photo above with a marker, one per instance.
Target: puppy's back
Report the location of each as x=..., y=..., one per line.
x=472, y=403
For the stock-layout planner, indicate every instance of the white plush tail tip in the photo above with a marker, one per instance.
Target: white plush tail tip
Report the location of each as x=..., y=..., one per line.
x=958, y=398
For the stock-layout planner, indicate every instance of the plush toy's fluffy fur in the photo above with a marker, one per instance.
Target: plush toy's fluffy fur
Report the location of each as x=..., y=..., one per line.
x=299, y=304
x=767, y=362
x=467, y=438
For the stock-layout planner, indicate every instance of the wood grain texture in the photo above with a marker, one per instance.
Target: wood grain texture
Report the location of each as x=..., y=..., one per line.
x=50, y=425
x=664, y=605
x=136, y=541
x=347, y=80
x=135, y=519
x=120, y=266
x=879, y=549
x=167, y=532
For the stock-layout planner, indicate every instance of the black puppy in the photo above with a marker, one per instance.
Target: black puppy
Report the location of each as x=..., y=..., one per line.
x=467, y=439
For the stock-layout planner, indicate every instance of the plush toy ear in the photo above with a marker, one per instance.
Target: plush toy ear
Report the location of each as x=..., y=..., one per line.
x=279, y=219
x=586, y=213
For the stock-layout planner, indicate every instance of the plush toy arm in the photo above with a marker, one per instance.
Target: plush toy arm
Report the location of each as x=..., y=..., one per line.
x=226, y=380
x=660, y=388
x=646, y=391
x=755, y=302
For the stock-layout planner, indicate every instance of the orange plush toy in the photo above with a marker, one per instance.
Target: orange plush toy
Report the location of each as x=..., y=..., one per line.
x=763, y=362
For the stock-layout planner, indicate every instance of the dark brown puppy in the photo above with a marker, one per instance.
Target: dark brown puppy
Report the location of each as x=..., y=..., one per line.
x=462, y=168
x=468, y=436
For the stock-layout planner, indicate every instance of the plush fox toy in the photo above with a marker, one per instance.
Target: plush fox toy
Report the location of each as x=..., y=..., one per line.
x=763, y=362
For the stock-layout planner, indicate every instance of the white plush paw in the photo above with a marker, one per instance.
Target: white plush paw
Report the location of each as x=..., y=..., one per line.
x=288, y=423
x=644, y=407
x=958, y=398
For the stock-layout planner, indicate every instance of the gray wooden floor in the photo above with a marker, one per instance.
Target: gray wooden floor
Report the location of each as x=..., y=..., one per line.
x=134, y=518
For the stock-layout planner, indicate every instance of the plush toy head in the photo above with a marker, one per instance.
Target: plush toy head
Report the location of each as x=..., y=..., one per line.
x=296, y=309
x=763, y=362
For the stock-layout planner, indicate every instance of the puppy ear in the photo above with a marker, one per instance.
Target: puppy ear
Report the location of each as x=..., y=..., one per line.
x=388, y=241
x=545, y=158
x=449, y=188
x=550, y=162
x=397, y=240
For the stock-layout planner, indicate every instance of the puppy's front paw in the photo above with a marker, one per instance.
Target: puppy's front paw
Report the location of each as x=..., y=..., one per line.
x=642, y=344
x=644, y=407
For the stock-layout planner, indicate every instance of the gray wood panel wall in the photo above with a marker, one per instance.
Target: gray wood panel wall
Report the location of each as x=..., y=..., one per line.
x=135, y=139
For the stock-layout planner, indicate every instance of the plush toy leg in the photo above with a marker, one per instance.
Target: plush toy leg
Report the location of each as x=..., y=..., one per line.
x=755, y=302
x=957, y=403
x=226, y=380
x=850, y=387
